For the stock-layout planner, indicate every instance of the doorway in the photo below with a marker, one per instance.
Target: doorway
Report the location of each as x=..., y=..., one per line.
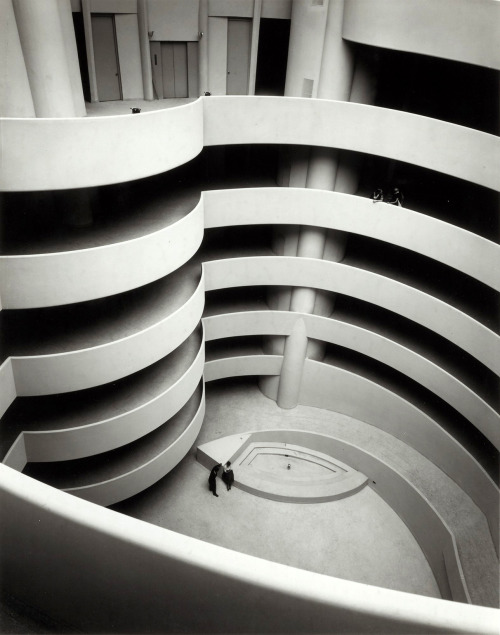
x=175, y=69
x=107, y=68
x=239, y=38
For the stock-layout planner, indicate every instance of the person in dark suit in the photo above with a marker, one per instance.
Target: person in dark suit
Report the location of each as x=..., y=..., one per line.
x=228, y=475
x=396, y=197
x=212, y=483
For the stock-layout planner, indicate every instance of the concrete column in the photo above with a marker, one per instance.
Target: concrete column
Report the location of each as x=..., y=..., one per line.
x=257, y=10
x=44, y=50
x=203, y=47
x=75, y=78
x=15, y=92
x=322, y=63
x=293, y=366
x=147, y=73
x=89, y=48
x=307, y=34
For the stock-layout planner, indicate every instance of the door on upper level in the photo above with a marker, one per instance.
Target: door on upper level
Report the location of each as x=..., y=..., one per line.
x=239, y=37
x=107, y=68
x=174, y=69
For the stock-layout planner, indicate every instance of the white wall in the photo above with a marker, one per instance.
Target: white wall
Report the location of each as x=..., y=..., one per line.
x=430, y=143
x=413, y=304
x=49, y=279
x=333, y=388
x=385, y=350
x=460, y=30
x=453, y=246
x=7, y=386
x=108, y=434
x=129, y=55
x=217, y=55
x=104, y=150
x=173, y=20
x=140, y=478
x=77, y=370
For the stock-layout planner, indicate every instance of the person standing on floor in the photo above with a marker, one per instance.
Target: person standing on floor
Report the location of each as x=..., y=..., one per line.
x=212, y=483
x=228, y=475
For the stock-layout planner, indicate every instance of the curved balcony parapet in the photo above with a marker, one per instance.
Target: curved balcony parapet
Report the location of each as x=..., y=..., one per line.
x=132, y=482
x=80, y=369
x=92, y=151
x=110, y=433
x=43, y=280
x=426, y=310
x=383, y=349
x=429, y=143
x=450, y=245
x=37, y=154
x=242, y=366
x=462, y=30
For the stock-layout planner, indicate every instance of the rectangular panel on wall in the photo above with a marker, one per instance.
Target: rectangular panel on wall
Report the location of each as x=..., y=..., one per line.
x=114, y=6
x=180, y=69
x=129, y=54
x=155, y=50
x=239, y=38
x=167, y=68
x=217, y=55
x=226, y=8
x=280, y=9
x=106, y=58
x=174, y=20
x=192, y=61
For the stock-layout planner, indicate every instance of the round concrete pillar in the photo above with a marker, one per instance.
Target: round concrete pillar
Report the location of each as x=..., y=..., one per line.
x=320, y=64
x=75, y=78
x=203, y=47
x=293, y=366
x=44, y=51
x=147, y=73
x=15, y=92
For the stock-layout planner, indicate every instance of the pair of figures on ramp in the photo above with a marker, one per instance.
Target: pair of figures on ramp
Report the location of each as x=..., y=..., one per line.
x=227, y=477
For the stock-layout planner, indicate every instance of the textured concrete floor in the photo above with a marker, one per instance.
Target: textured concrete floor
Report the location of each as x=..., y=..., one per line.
x=358, y=538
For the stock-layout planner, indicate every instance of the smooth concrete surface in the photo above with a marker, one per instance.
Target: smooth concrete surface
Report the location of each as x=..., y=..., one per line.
x=428, y=528
x=229, y=323
x=72, y=426
x=403, y=299
x=111, y=477
x=472, y=30
x=333, y=388
x=48, y=279
x=422, y=141
x=238, y=406
x=15, y=91
x=444, y=242
x=166, y=582
x=110, y=146
x=158, y=328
